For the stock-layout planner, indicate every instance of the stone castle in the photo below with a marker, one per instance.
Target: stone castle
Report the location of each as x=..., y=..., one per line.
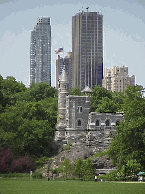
x=77, y=124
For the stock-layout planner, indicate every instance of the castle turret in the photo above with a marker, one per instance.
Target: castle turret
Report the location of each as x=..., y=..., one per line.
x=63, y=91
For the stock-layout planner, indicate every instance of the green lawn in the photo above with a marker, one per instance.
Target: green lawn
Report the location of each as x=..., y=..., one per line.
x=23, y=186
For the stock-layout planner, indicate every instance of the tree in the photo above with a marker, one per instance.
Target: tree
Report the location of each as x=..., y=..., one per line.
x=75, y=91
x=88, y=168
x=129, y=141
x=107, y=105
x=6, y=157
x=27, y=127
x=97, y=95
x=10, y=87
x=79, y=168
x=66, y=167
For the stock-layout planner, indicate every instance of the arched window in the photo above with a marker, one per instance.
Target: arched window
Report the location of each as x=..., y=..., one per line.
x=117, y=123
x=107, y=123
x=79, y=122
x=97, y=123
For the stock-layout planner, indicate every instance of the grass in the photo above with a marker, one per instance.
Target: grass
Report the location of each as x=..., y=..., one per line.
x=26, y=186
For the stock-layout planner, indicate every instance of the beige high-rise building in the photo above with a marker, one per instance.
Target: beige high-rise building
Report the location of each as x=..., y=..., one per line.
x=117, y=79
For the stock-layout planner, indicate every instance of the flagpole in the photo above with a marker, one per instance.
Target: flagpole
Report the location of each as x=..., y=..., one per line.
x=63, y=58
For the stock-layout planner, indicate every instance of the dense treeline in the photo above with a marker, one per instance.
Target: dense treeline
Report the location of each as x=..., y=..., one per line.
x=28, y=118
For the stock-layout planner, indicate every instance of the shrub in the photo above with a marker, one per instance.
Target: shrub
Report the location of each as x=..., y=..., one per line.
x=9, y=164
x=67, y=147
x=6, y=157
x=19, y=175
x=37, y=175
x=23, y=164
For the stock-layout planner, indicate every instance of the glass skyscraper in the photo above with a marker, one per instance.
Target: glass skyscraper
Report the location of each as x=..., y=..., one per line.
x=40, y=52
x=87, y=49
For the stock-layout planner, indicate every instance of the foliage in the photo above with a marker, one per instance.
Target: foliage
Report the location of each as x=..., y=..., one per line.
x=107, y=105
x=37, y=175
x=23, y=164
x=79, y=168
x=10, y=164
x=15, y=175
x=75, y=91
x=103, y=100
x=66, y=167
x=88, y=168
x=97, y=95
x=99, y=154
x=128, y=145
x=67, y=147
x=39, y=162
x=55, y=171
x=6, y=157
x=28, y=117
x=9, y=88
x=132, y=167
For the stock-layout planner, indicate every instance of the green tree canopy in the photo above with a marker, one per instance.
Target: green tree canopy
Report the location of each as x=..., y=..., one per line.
x=66, y=167
x=129, y=141
x=28, y=120
x=79, y=168
x=75, y=91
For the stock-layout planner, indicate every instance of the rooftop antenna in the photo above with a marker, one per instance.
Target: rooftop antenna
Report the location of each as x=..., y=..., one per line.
x=82, y=8
x=87, y=9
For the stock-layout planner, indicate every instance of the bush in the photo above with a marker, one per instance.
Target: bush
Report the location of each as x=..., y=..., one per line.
x=41, y=161
x=37, y=175
x=55, y=171
x=23, y=164
x=9, y=164
x=99, y=154
x=18, y=175
x=67, y=147
x=6, y=157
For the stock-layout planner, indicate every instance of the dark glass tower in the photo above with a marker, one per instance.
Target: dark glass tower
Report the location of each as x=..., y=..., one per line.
x=87, y=49
x=40, y=52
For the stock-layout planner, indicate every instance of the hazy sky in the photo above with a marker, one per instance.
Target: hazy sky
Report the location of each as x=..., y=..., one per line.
x=124, y=33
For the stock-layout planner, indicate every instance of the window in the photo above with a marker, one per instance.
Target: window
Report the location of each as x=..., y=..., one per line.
x=80, y=109
x=79, y=122
x=97, y=123
x=107, y=123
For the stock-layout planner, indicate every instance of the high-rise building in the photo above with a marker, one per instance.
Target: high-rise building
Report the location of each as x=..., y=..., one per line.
x=68, y=67
x=40, y=52
x=87, y=49
x=117, y=79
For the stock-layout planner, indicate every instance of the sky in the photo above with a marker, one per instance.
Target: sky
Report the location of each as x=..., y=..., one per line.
x=123, y=33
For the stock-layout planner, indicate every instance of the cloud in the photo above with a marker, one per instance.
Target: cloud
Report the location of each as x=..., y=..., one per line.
x=4, y=1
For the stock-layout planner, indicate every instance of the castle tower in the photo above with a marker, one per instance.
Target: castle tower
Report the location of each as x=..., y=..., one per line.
x=63, y=91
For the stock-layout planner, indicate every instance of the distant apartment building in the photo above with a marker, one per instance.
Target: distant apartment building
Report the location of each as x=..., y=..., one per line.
x=117, y=79
x=40, y=52
x=60, y=62
x=87, y=49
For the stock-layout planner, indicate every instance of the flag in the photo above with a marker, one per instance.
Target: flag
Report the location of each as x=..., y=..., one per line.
x=60, y=50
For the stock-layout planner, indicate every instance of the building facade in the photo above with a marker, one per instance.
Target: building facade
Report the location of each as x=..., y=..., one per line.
x=87, y=49
x=117, y=79
x=68, y=67
x=77, y=124
x=40, y=52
